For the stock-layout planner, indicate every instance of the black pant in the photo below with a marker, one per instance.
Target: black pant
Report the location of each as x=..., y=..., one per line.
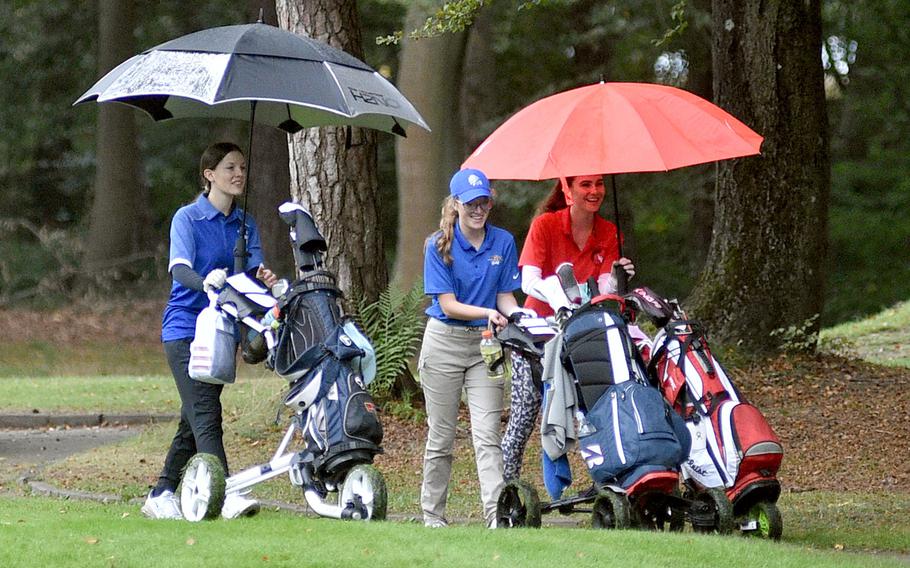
x=200, y=417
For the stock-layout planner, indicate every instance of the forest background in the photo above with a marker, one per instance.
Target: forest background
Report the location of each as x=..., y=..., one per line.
x=513, y=54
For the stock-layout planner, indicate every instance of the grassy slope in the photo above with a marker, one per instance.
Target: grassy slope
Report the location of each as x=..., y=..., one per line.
x=883, y=338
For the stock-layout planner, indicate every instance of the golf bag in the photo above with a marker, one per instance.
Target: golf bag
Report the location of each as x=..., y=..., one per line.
x=733, y=446
x=628, y=430
x=328, y=363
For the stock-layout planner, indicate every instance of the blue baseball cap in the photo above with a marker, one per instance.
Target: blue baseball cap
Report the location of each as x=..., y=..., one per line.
x=468, y=185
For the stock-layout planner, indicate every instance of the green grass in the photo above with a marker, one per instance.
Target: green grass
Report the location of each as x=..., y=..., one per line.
x=883, y=338
x=46, y=359
x=50, y=532
x=109, y=394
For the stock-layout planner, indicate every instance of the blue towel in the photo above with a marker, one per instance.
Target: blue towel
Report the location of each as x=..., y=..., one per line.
x=557, y=475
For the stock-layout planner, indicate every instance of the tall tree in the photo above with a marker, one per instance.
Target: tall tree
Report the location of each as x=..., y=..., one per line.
x=336, y=178
x=119, y=212
x=430, y=75
x=764, y=266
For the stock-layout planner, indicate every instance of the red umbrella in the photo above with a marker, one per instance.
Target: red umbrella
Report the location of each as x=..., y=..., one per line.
x=611, y=128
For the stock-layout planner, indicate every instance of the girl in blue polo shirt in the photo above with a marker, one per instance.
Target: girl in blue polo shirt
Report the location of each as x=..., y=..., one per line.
x=470, y=271
x=203, y=235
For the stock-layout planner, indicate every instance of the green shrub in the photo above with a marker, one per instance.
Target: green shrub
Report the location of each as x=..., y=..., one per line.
x=801, y=338
x=394, y=324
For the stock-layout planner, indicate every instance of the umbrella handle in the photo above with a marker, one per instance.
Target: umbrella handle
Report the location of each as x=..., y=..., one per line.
x=622, y=280
x=240, y=253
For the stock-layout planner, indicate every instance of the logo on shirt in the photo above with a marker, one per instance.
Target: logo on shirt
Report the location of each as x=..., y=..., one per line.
x=495, y=260
x=598, y=258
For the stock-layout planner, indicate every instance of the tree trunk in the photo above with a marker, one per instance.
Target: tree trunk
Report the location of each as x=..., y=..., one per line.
x=764, y=267
x=335, y=181
x=430, y=76
x=700, y=82
x=119, y=213
x=478, y=91
x=270, y=177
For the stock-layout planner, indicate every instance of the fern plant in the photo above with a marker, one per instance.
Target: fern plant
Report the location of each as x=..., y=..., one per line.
x=394, y=324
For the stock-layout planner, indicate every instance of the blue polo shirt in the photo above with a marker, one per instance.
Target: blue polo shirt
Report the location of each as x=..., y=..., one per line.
x=203, y=238
x=475, y=276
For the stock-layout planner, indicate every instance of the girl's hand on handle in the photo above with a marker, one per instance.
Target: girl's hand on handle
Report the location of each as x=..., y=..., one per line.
x=214, y=280
x=266, y=276
x=625, y=264
x=496, y=319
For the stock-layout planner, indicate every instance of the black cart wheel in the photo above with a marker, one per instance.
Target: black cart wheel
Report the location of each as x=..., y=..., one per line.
x=518, y=506
x=763, y=521
x=658, y=514
x=711, y=511
x=611, y=511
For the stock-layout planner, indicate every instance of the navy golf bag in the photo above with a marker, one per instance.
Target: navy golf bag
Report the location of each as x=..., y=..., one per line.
x=629, y=430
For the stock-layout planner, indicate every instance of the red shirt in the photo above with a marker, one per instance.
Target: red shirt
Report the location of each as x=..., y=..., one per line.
x=550, y=243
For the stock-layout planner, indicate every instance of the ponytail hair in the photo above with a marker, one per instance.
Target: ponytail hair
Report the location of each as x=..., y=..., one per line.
x=556, y=200
x=446, y=233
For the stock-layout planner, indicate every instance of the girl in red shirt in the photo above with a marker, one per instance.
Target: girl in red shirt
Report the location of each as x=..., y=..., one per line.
x=567, y=228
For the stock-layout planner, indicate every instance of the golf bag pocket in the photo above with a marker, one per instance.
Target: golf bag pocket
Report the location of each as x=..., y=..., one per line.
x=360, y=419
x=735, y=440
x=213, y=350
x=629, y=427
x=342, y=427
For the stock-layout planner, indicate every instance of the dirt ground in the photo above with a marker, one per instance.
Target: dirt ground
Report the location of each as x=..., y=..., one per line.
x=845, y=424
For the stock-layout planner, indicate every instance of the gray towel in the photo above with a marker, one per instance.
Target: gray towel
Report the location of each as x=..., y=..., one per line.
x=557, y=428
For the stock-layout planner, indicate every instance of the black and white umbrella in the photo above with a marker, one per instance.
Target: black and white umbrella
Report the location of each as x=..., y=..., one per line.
x=259, y=73
x=290, y=82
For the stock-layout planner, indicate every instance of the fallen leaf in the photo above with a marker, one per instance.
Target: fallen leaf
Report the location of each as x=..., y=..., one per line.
x=91, y=540
x=190, y=541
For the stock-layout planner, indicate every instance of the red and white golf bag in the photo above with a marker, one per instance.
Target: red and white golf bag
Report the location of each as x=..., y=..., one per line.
x=733, y=446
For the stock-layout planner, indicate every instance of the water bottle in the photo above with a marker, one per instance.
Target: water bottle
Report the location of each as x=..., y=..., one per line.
x=584, y=428
x=499, y=367
x=271, y=319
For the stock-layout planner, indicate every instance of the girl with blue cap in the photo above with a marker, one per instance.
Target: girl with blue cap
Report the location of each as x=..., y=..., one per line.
x=470, y=272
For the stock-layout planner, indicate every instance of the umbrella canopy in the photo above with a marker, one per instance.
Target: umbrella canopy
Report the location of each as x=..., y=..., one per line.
x=295, y=81
x=611, y=128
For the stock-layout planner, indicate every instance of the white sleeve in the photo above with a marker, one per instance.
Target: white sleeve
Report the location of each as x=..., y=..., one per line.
x=530, y=275
x=606, y=283
x=546, y=289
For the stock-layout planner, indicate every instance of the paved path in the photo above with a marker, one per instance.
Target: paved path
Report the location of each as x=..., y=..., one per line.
x=36, y=447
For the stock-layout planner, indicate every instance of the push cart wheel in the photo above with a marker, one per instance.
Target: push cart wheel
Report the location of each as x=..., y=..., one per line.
x=202, y=488
x=658, y=513
x=518, y=506
x=363, y=494
x=611, y=511
x=711, y=511
x=763, y=521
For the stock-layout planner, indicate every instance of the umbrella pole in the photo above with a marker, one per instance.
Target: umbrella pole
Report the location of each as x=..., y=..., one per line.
x=616, y=214
x=622, y=281
x=240, y=252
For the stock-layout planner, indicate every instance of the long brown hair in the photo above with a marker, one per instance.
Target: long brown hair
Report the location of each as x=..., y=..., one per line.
x=446, y=233
x=211, y=157
x=556, y=199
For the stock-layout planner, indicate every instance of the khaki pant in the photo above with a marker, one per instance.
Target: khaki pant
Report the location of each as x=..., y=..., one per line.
x=449, y=363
